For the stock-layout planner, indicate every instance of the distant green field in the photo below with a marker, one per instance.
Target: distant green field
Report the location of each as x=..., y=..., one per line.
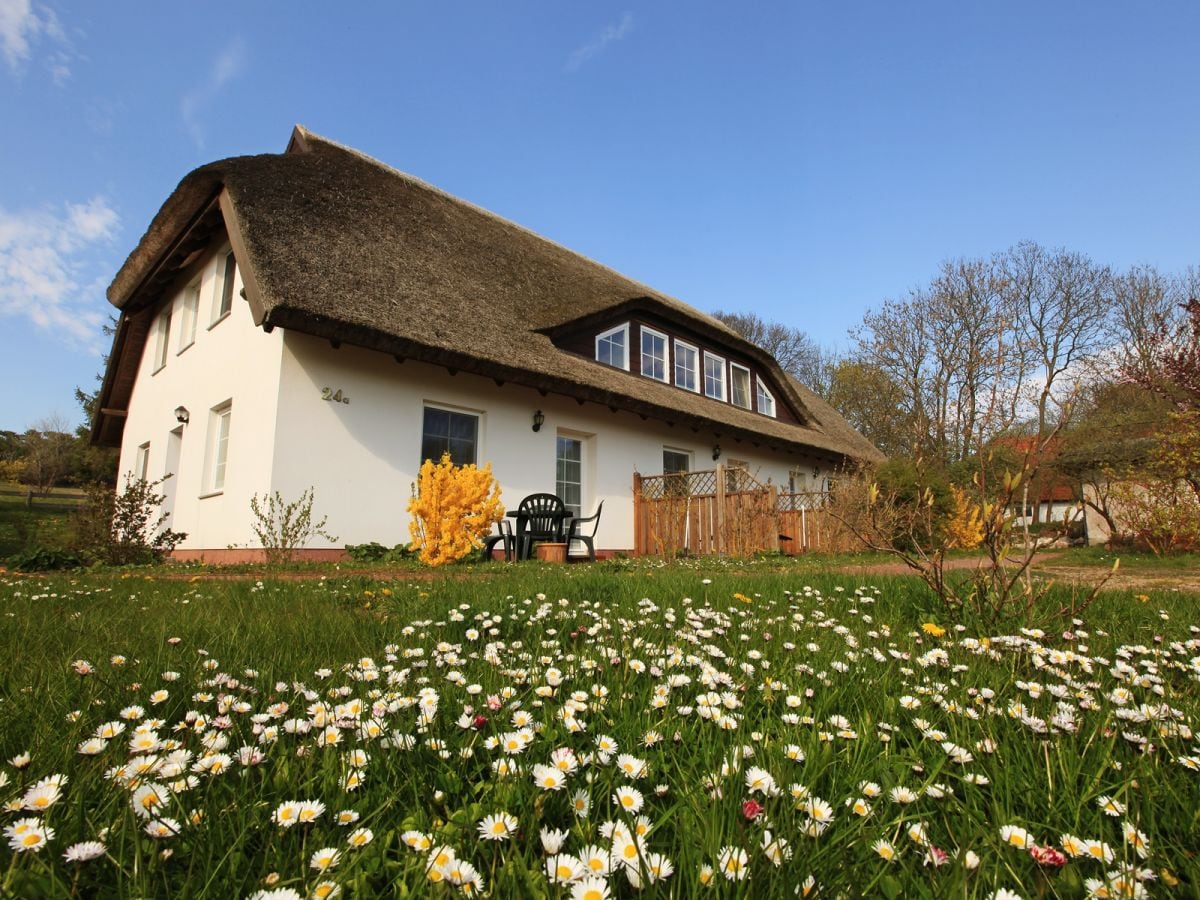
x=43, y=524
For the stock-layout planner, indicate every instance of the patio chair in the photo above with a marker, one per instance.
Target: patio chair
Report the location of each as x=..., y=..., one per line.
x=589, y=540
x=505, y=537
x=540, y=517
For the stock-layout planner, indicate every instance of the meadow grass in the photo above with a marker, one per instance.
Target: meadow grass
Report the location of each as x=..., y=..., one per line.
x=816, y=724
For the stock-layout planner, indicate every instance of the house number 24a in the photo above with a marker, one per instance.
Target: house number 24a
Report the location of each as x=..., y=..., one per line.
x=334, y=396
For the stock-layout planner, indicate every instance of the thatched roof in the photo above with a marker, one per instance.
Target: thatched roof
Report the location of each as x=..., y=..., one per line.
x=337, y=245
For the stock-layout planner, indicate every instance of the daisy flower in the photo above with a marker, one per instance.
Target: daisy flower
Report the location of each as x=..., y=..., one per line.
x=595, y=859
x=1136, y=839
x=1110, y=806
x=628, y=799
x=734, y=863
x=903, y=795
x=761, y=781
x=92, y=746
x=631, y=766
x=84, y=851
x=590, y=889
x=626, y=850
x=552, y=840
x=1016, y=837
x=325, y=859
x=148, y=798
x=885, y=850
x=44, y=794
x=581, y=804
x=326, y=890
x=1072, y=845
x=286, y=814
x=1098, y=850
x=163, y=828
x=658, y=867
x=309, y=811
x=818, y=809
x=26, y=835
x=497, y=826
x=359, y=838
x=549, y=778
x=563, y=868
x=416, y=840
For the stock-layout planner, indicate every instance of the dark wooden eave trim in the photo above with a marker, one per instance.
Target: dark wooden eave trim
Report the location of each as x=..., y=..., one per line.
x=142, y=295
x=233, y=227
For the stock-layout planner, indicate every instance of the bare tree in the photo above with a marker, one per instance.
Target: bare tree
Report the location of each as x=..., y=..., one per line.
x=796, y=352
x=1146, y=305
x=48, y=451
x=1062, y=301
x=951, y=349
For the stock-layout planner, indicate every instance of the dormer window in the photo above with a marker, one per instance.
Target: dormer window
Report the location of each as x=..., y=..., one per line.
x=714, y=376
x=612, y=347
x=654, y=354
x=766, y=401
x=739, y=384
x=652, y=348
x=687, y=367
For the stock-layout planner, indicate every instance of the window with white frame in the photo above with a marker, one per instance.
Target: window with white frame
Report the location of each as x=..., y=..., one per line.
x=189, y=314
x=676, y=465
x=162, y=339
x=218, y=450
x=450, y=431
x=739, y=385
x=654, y=354
x=687, y=366
x=568, y=473
x=714, y=376
x=612, y=347
x=766, y=400
x=226, y=281
x=141, y=464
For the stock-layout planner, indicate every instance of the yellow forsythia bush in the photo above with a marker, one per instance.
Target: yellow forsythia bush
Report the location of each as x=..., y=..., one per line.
x=964, y=529
x=452, y=508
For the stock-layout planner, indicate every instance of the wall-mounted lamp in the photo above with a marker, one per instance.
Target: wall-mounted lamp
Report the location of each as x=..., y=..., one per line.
x=716, y=452
x=182, y=415
x=816, y=471
x=538, y=419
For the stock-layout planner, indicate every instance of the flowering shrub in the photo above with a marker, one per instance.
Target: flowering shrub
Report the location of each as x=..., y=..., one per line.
x=452, y=508
x=964, y=529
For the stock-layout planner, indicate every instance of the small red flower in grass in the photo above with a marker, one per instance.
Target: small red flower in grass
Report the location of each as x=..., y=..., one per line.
x=1048, y=857
x=752, y=809
x=479, y=722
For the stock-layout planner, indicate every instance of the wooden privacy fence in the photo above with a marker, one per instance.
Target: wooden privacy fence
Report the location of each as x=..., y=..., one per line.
x=726, y=512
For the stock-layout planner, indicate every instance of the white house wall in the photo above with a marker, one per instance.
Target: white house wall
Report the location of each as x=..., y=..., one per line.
x=361, y=457
x=233, y=361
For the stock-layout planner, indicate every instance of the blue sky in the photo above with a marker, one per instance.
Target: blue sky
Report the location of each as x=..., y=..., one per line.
x=803, y=161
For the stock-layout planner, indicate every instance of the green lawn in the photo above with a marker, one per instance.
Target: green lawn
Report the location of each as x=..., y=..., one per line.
x=421, y=705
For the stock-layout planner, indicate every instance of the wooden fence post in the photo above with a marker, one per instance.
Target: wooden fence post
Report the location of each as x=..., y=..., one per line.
x=721, y=509
x=773, y=519
x=639, y=534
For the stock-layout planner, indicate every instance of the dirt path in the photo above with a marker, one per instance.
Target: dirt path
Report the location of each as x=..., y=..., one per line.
x=1050, y=565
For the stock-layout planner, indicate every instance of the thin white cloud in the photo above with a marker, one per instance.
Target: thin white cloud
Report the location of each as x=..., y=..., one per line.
x=23, y=25
x=592, y=49
x=19, y=25
x=227, y=66
x=50, y=272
